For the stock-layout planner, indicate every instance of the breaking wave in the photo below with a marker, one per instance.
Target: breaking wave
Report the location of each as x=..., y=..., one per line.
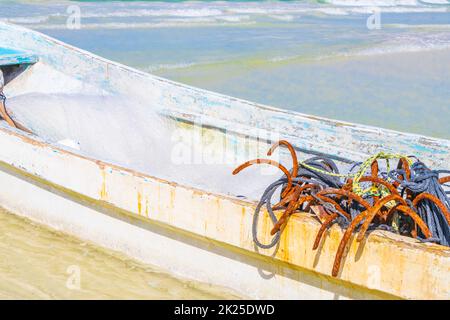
x=149, y=14
x=385, y=3
x=400, y=44
x=198, y=12
x=145, y=25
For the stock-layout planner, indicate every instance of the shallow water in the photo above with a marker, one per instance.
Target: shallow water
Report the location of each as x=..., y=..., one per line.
x=40, y=263
x=316, y=57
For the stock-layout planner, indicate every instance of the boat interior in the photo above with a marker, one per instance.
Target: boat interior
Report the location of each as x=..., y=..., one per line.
x=121, y=130
x=103, y=110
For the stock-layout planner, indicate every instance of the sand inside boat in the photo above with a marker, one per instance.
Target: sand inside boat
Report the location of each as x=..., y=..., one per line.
x=132, y=134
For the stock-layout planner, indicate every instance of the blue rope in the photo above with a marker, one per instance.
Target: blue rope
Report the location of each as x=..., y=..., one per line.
x=425, y=180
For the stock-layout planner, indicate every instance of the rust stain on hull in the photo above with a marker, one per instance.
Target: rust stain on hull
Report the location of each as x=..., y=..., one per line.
x=139, y=203
x=103, y=192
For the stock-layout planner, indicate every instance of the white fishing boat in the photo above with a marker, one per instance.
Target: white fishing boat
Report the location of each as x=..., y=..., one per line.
x=194, y=232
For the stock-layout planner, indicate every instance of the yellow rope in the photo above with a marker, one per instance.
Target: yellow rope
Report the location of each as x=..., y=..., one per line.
x=307, y=166
x=368, y=162
x=362, y=170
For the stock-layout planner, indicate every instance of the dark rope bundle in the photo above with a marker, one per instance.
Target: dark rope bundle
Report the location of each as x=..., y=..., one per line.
x=426, y=181
x=304, y=176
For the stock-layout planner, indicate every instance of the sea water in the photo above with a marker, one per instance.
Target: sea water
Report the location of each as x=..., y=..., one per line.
x=384, y=63
x=39, y=263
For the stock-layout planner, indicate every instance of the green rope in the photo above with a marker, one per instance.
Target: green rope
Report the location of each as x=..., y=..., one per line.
x=368, y=162
x=362, y=170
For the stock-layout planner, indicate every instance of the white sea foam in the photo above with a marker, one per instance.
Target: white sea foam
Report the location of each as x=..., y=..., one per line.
x=253, y=10
x=198, y=12
x=147, y=25
x=282, y=17
x=404, y=43
x=399, y=47
x=26, y=20
x=233, y=18
x=283, y=58
x=371, y=3
x=435, y=1
x=370, y=10
x=169, y=66
x=437, y=27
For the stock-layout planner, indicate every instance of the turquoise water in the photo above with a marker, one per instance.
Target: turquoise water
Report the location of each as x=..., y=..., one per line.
x=321, y=58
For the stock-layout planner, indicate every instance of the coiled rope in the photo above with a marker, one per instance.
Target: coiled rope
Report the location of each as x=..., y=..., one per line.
x=426, y=181
x=316, y=170
x=363, y=167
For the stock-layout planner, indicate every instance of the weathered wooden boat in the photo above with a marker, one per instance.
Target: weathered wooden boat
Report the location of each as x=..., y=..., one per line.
x=191, y=232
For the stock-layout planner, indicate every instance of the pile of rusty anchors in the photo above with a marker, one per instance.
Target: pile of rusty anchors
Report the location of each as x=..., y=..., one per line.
x=394, y=204
x=4, y=112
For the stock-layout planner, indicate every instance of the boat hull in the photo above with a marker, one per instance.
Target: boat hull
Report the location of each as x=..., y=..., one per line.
x=204, y=236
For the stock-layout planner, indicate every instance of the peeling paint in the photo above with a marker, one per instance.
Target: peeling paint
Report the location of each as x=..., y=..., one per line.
x=139, y=203
x=103, y=193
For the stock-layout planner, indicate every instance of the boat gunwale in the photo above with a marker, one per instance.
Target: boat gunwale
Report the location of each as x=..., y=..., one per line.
x=36, y=140
x=140, y=221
